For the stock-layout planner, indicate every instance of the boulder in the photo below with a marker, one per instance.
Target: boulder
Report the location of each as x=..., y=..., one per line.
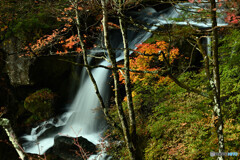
x=18, y=69
x=66, y=148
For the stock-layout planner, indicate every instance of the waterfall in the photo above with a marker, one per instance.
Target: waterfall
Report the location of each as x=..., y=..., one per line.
x=84, y=117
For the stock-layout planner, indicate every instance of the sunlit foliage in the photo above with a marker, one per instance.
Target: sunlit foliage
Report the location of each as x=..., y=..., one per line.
x=150, y=57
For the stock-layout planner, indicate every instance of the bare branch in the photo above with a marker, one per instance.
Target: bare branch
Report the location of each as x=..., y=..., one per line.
x=180, y=84
x=12, y=137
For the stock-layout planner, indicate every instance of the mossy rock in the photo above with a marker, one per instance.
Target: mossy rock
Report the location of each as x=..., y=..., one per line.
x=40, y=104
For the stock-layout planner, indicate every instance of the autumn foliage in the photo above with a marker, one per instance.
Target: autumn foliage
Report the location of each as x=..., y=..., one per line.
x=147, y=57
x=65, y=40
x=230, y=11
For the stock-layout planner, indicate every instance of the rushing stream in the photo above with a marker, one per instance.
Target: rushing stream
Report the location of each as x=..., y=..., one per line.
x=84, y=117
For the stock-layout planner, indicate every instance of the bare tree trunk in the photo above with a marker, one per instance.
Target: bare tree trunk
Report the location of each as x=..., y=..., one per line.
x=205, y=57
x=127, y=74
x=104, y=108
x=128, y=90
x=12, y=137
x=116, y=83
x=216, y=81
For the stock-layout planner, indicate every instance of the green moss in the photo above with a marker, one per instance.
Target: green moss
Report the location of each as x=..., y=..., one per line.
x=175, y=124
x=40, y=104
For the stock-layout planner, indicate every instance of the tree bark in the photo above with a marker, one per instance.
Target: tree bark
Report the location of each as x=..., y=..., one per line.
x=88, y=67
x=112, y=56
x=127, y=74
x=128, y=90
x=12, y=137
x=215, y=83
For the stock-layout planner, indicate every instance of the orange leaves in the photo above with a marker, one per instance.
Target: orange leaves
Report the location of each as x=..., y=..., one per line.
x=43, y=41
x=79, y=50
x=113, y=25
x=70, y=42
x=148, y=59
x=80, y=8
x=148, y=48
x=110, y=24
x=68, y=9
x=174, y=52
x=155, y=48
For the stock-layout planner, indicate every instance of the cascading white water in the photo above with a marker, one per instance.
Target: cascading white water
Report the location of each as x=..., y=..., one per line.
x=84, y=118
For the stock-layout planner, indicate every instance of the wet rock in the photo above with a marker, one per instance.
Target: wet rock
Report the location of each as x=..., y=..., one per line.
x=67, y=148
x=18, y=69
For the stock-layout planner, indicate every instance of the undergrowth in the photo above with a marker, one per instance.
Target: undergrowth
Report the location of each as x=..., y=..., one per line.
x=175, y=124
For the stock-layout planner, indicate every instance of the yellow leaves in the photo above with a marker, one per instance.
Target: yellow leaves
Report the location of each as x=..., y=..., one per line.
x=164, y=80
x=162, y=45
x=4, y=28
x=155, y=48
x=149, y=58
x=133, y=95
x=174, y=52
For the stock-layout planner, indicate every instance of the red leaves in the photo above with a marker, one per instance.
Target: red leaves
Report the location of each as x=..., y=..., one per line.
x=231, y=10
x=232, y=18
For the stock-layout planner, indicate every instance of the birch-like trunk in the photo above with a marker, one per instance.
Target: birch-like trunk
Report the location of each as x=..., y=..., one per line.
x=12, y=137
x=116, y=83
x=215, y=83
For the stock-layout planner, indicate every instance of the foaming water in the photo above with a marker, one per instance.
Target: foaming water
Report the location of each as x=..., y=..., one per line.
x=41, y=137
x=83, y=119
x=87, y=118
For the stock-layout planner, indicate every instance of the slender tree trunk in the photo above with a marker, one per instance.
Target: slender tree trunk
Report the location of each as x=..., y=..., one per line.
x=104, y=108
x=12, y=137
x=116, y=83
x=216, y=81
x=128, y=90
x=132, y=118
